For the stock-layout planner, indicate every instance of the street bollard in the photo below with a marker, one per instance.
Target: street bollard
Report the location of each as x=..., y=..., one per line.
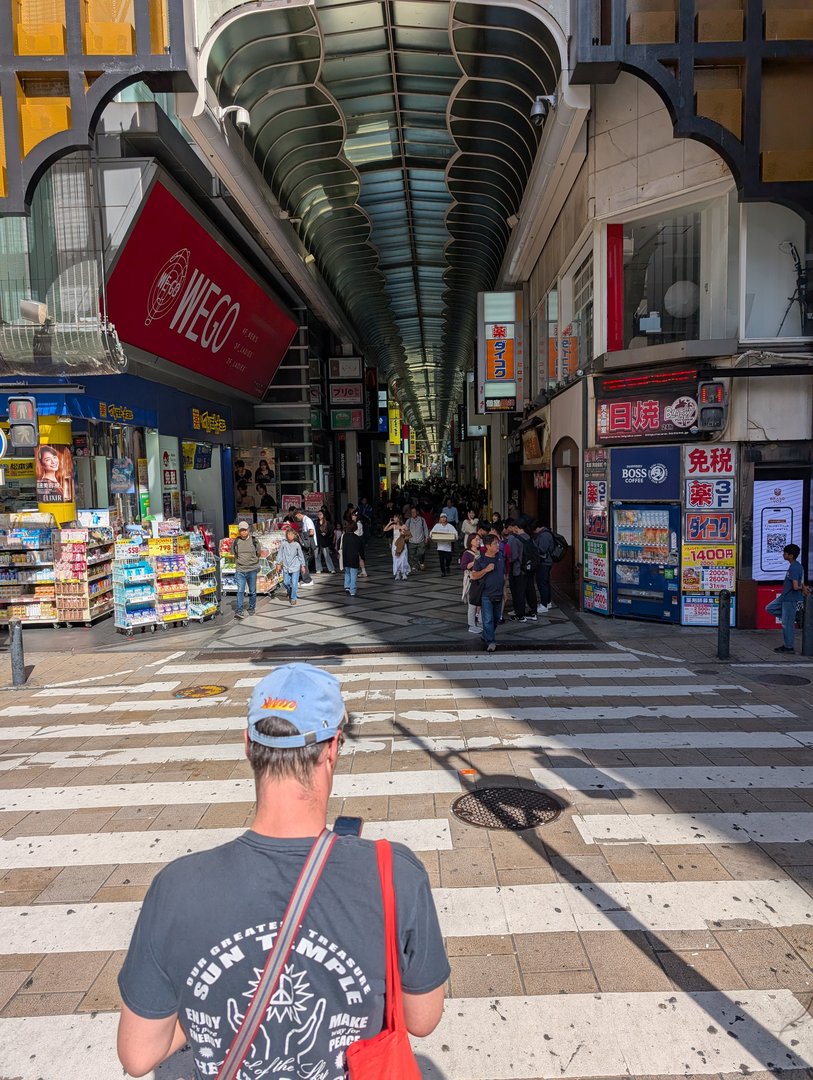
x=724, y=625
x=807, y=627
x=15, y=631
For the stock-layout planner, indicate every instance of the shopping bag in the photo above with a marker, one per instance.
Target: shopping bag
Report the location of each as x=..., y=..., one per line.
x=388, y=1055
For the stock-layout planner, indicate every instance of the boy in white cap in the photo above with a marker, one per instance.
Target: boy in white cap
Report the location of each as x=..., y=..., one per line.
x=210, y=918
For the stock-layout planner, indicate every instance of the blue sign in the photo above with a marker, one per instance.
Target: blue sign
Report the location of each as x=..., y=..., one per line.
x=645, y=473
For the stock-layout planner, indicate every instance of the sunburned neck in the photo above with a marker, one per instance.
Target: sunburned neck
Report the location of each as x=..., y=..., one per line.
x=287, y=810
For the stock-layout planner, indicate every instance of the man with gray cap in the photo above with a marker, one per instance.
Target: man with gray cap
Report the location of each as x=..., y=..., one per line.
x=209, y=919
x=246, y=551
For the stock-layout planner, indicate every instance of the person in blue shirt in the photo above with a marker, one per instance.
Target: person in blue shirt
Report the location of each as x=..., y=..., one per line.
x=784, y=606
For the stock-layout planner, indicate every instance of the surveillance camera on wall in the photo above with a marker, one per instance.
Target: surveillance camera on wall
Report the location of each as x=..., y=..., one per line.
x=543, y=103
x=242, y=118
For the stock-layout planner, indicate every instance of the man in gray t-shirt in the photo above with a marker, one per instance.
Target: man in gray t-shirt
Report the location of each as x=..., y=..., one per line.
x=209, y=919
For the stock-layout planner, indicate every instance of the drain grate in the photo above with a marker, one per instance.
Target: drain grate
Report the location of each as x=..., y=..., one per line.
x=776, y=678
x=203, y=691
x=511, y=808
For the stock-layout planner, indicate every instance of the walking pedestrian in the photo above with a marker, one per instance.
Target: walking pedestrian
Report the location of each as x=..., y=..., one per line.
x=466, y=563
x=444, y=535
x=418, y=536
x=307, y=538
x=324, y=544
x=246, y=551
x=490, y=565
x=400, y=551
x=292, y=560
x=226, y=905
x=450, y=510
x=469, y=526
x=524, y=564
x=793, y=589
x=352, y=554
x=543, y=538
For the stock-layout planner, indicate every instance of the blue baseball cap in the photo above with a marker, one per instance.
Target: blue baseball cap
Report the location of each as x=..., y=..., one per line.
x=305, y=696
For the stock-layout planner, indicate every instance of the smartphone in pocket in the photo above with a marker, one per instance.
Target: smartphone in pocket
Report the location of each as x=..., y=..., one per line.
x=348, y=826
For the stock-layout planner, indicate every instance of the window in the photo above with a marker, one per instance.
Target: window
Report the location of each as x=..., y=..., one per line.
x=582, y=315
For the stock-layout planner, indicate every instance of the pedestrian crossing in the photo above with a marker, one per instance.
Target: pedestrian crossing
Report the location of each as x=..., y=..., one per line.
x=635, y=912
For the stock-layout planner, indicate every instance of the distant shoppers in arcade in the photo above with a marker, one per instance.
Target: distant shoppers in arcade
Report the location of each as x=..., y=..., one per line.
x=793, y=589
x=324, y=543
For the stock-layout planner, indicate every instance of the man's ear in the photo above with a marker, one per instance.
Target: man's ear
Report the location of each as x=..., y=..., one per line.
x=245, y=741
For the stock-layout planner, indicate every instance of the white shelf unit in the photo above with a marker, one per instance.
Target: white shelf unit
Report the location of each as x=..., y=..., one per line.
x=134, y=594
x=83, y=569
x=27, y=588
x=201, y=576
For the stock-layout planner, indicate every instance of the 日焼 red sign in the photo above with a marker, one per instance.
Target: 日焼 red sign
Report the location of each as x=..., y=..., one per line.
x=176, y=292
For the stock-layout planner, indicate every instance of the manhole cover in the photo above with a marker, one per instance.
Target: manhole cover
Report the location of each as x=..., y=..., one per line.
x=202, y=691
x=512, y=808
x=776, y=678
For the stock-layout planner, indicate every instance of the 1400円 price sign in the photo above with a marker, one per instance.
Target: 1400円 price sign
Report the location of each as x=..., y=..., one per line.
x=706, y=555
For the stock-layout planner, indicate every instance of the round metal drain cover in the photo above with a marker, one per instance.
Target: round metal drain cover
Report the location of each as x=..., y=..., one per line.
x=776, y=678
x=513, y=808
x=203, y=691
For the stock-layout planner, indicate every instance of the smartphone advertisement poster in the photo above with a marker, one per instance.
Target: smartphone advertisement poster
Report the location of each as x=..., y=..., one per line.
x=777, y=523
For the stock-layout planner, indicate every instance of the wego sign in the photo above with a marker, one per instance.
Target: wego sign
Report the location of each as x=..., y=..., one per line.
x=198, y=307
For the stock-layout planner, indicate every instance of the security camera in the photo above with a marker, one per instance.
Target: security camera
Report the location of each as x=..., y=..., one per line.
x=242, y=118
x=542, y=105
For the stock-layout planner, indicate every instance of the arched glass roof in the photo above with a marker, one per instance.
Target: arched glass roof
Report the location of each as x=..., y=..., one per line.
x=397, y=136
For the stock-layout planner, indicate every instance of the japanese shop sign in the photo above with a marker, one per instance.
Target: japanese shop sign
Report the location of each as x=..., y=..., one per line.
x=778, y=522
x=500, y=352
x=710, y=460
x=703, y=555
x=704, y=611
x=656, y=415
x=645, y=472
x=346, y=394
x=206, y=420
x=596, y=564
x=709, y=526
x=313, y=501
x=595, y=494
x=596, y=598
x=344, y=367
x=347, y=419
x=695, y=579
x=709, y=494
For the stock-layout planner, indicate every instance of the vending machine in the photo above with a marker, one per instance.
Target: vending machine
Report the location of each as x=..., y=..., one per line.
x=646, y=561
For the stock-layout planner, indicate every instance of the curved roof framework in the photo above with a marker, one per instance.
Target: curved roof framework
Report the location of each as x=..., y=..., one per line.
x=397, y=136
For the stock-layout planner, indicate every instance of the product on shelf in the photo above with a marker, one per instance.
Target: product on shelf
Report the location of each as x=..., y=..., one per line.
x=169, y=557
x=27, y=590
x=268, y=578
x=201, y=573
x=83, y=569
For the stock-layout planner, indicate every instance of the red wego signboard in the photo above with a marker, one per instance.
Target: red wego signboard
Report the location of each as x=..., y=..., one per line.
x=176, y=292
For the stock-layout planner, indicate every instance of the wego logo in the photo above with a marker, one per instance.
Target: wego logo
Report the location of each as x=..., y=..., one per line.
x=202, y=311
x=276, y=704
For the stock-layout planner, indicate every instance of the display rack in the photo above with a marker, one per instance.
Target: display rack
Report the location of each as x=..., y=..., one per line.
x=27, y=590
x=134, y=594
x=83, y=569
x=201, y=576
x=268, y=578
x=169, y=556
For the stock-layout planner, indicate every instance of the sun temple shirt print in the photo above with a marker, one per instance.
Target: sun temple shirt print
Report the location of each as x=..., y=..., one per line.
x=209, y=921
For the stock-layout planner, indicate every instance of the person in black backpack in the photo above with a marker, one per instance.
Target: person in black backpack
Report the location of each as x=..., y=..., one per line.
x=524, y=561
x=544, y=542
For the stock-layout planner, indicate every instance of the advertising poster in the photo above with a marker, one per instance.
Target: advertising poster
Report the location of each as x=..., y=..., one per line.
x=596, y=562
x=704, y=611
x=347, y=419
x=313, y=502
x=777, y=520
x=596, y=598
x=255, y=478
x=290, y=502
x=698, y=579
x=709, y=494
x=658, y=415
x=54, y=465
x=122, y=476
x=346, y=394
x=650, y=473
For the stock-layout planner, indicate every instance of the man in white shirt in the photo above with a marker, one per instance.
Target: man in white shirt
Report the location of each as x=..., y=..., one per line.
x=307, y=538
x=450, y=510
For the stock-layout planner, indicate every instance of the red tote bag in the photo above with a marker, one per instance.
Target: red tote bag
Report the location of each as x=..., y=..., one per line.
x=388, y=1055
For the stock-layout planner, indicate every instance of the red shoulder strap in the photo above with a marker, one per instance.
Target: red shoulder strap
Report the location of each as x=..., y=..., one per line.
x=393, y=1014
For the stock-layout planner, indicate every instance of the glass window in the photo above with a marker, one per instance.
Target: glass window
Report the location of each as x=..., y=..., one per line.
x=662, y=280
x=583, y=313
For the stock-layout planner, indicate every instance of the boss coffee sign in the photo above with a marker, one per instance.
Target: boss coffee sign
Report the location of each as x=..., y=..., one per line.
x=177, y=293
x=645, y=473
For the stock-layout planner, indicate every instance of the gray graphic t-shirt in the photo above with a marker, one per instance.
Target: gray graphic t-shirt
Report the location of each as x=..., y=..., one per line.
x=209, y=920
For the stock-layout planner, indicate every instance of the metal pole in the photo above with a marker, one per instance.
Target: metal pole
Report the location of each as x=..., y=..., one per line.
x=724, y=625
x=807, y=627
x=15, y=629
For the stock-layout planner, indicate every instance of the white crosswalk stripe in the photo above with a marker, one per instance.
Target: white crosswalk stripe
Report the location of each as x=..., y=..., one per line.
x=520, y=706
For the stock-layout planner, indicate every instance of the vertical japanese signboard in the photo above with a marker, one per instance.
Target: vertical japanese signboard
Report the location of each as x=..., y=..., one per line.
x=596, y=589
x=500, y=352
x=709, y=553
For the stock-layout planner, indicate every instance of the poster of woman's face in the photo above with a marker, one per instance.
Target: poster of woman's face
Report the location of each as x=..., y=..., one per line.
x=54, y=473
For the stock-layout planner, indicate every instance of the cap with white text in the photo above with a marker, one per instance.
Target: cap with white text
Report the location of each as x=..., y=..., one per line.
x=305, y=696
